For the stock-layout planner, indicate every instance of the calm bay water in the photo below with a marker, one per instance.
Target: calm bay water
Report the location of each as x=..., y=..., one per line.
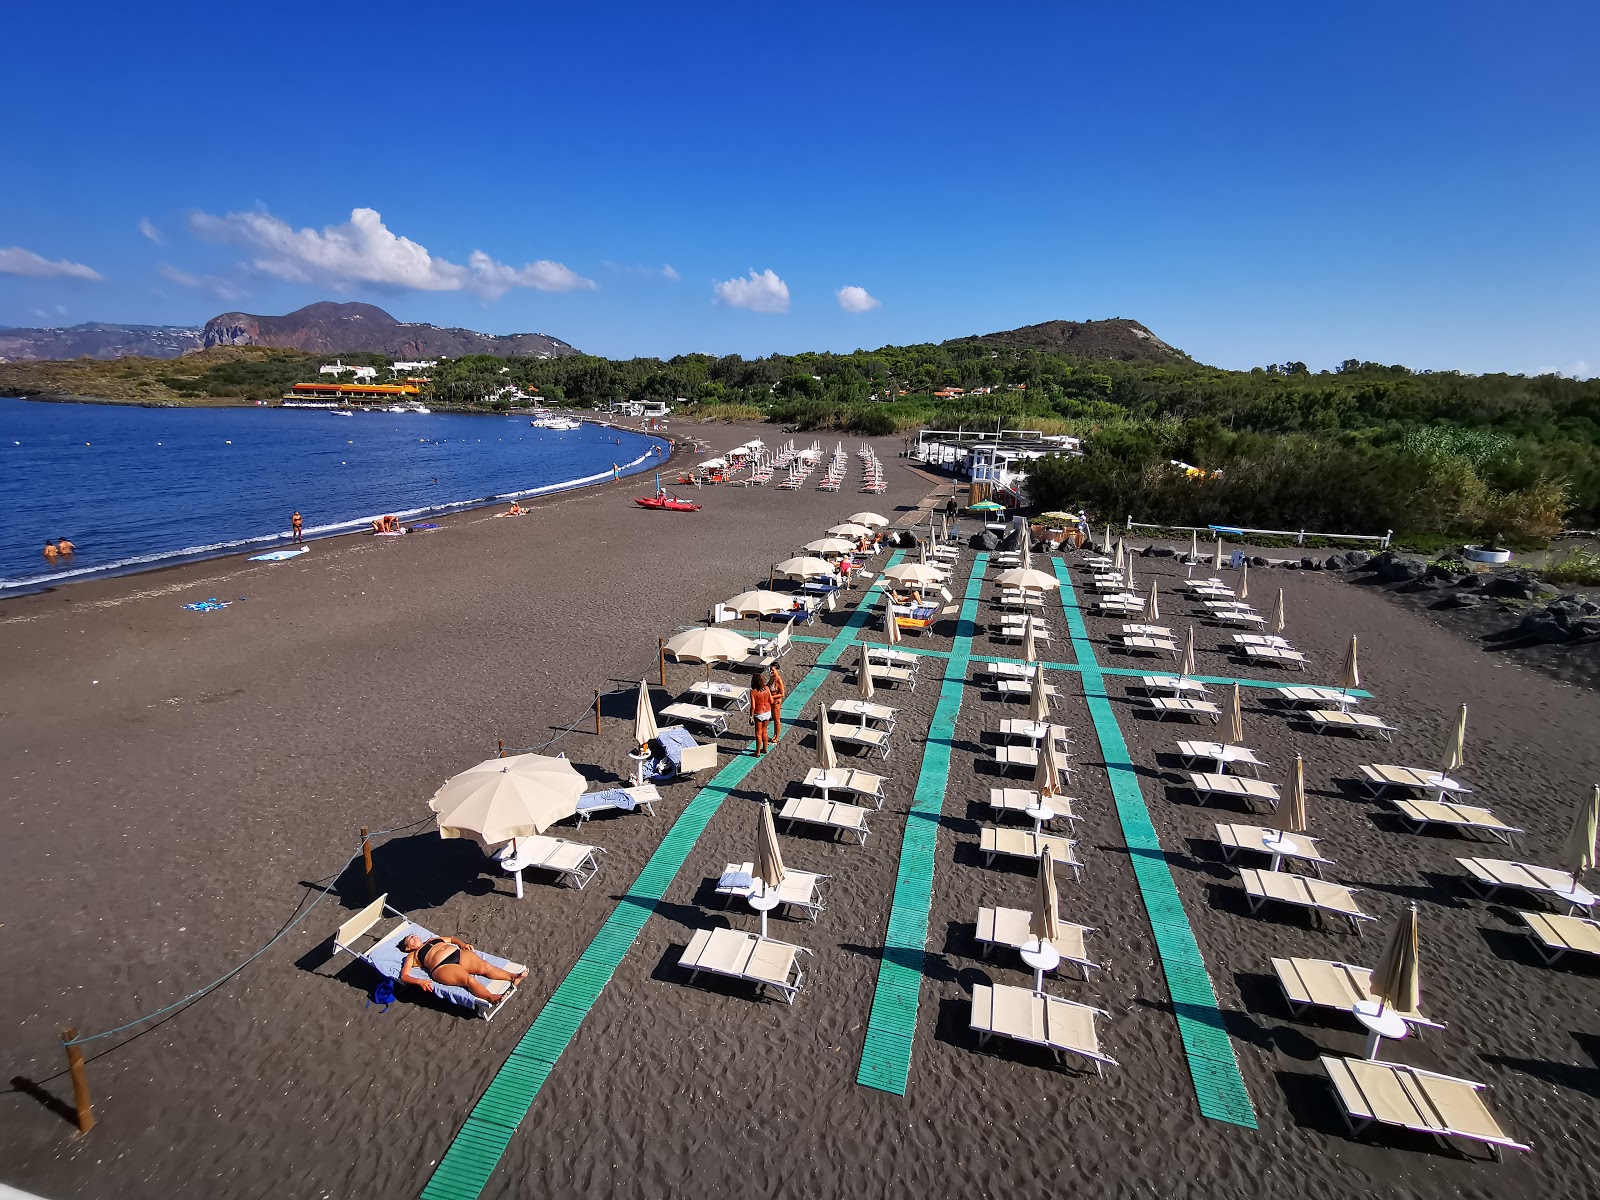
x=136, y=488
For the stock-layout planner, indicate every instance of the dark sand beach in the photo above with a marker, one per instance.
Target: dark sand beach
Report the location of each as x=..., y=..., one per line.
x=179, y=780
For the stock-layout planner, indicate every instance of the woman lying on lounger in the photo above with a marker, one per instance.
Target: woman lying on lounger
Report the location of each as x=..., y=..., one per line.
x=451, y=961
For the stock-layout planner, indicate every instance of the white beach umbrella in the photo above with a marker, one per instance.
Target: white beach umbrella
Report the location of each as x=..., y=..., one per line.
x=804, y=567
x=1455, y=744
x=708, y=644
x=1194, y=545
x=912, y=573
x=1577, y=853
x=1244, y=581
x=1277, y=614
x=1027, y=553
x=1038, y=699
x=759, y=603
x=1127, y=573
x=826, y=758
x=829, y=545
x=868, y=518
x=1216, y=559
x=922, y=553
x=714, y=463
x=505, y=798
x=1350, y=672
x=644, y=717
x=891, y=627
x=1030, y=649
x=1027, y=577
x=1187, y=668
x=1047, y=775
x=864, y=676
x=850, y=530
x=1119, y=558
x=1153, y=605
x=944, y=528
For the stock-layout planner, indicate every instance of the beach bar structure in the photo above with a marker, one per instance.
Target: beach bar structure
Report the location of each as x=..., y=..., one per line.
x=353, y=393
x=992, y=459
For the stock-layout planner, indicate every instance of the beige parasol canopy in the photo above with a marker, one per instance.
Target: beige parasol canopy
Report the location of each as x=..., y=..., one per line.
x=913, y=573
x=891, y=628
x=1047, y=774
x=1030, y=647
x=850, y=529
x=1295, y=819
x=804, y=567
x=769, y=860
x=1187, y=667
x=1038, y=698
x=1455, y=744
x=1233, y=720
x=1216, y=559
x=1118, y=558
x=868, y=518
x=864, y=676
x=1153, y=605
x=1577, y=853
x=826, y=758
x=505, y=798
x=1194, y=545
x=1277, y=614
x=1396, y=980
x=1244, y=581
x=1027, y=577
x=708, y=644
x=1044, y=922
x=759, y=603
x=644, y=717
x=1350, y=672
x=829, y=545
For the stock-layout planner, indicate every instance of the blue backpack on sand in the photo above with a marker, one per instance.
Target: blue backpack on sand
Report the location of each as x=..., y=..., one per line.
x=382, y=996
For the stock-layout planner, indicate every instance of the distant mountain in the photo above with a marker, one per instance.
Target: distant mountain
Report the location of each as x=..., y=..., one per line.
x=328, y=328
x=96, y=340
x=1115, y=337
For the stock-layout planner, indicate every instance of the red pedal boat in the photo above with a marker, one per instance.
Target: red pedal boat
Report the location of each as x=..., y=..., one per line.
x=670, y=503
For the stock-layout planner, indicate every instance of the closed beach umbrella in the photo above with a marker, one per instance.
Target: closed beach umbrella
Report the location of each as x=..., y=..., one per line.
x=1116, y=559
x=1277, y=614
x=850, y=529
x=1027, y=553
x=1044, y=923
x=1244, y=581
x=1030, y=649
x=826, y=758
x=708, y=644
x=644, y=717
x=804, y=567
x=1038, y=698
x=1397, y=979
x=1295, y=819
x=1232, y=732
x=1027, y=577
x=1106, y=548
x=1194, y=545
x=944, y=528
x=1047, y=774
x=1577, y=854
x=1153, y=605
x=1127, y=573
x=1188, y=656
x=759, y=603
x=864, y=676
x=1216, y=559
x=505, y=798
x=1455, y=744
x=868, y=518
x=922, y=553
x=769, y=860
x=1350, y=672
x=829, y=545
x=891, y=629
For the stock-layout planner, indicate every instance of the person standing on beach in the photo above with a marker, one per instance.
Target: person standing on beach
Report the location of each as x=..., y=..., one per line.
x=779, y=691
x=761, y=709
x=295, y=524
x=616, y=472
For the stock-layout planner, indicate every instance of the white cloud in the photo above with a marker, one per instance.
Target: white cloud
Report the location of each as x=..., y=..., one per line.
x=363, y=250
x=759, y=293
x=668, y=272
x=223, y=289
x=14, y=260
x=857, y=300
x=148, y=228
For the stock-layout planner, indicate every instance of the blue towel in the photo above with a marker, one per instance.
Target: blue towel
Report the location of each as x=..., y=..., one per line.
x=610, y=798
x=737, y=879
x=210, y=605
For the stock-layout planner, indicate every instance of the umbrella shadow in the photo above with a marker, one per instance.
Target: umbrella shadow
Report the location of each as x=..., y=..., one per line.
x=1573, y=1077
x=1442, y=890
x=418, y=872
x=1231, y=1022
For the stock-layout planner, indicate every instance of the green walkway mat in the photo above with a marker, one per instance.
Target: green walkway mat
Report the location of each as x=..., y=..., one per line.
x=473, y=1155
x=891, y=1025
x=1212, y=1065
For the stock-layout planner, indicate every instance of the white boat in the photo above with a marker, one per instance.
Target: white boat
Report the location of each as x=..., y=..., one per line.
x=340, y=412
x=555, y=422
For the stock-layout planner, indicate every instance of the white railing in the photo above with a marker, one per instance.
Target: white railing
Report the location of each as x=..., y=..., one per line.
x=1300, y=535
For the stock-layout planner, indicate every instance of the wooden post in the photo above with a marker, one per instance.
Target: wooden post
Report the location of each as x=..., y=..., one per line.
x=597, y=712
x=661, y=651
x=80, y=1082
x=500, y=747
x=366, y=861
x=772, y=572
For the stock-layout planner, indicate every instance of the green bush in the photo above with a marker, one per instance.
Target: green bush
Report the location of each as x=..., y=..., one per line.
x=1577, y=566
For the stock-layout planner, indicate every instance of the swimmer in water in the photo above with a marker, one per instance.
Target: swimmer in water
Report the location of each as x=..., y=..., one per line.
x=50, y=551
x=64, y=547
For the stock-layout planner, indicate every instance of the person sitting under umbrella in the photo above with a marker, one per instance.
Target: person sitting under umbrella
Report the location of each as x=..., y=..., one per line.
x=450, y=961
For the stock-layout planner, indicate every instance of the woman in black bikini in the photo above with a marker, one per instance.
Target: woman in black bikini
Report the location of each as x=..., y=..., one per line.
x=452, y=961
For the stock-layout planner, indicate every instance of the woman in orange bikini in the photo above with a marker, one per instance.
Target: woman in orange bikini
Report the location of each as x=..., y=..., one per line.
x=762, y=706
x=451, y=961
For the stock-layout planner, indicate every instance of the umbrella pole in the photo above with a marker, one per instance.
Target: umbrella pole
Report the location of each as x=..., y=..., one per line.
x=80, y=1081
x=661, y=652
x=597, y=712
x=366, y=859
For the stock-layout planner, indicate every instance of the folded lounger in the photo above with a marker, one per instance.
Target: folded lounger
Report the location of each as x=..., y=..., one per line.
x=739, y=955
x=1335, y=720
x=384, y=955
x=1019, y=800
x=847, y=779
x=1009, y=927
x=1062, y=1026
x=571, y=861
x=1298, y=846
x=797, y=892
x=1424, y=1101
x=1319, y=896
x=1489, y=875
x=1205, y=784
x=625, y=799
x=1165, y=706
x=679, y=754
x=1381, y=777
x=1422, y=813
x=1321, y=983
x=1024, y=843
x=1555, y=934
x=770, y=650
x=830, y=814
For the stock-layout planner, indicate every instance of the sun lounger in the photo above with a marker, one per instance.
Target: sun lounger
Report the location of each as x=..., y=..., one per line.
x=715, y=690
x=1148, y=645
x=1020, y=689
x=1276, y=656
x=1422, y=813
x=1019, y=800
x=864, y=736
x=1383, y=776
x=1007, y=670
x=1177, y=684
x=1555, y=934
x=703, y=715
x=1166, y=706
x=1155, y=631
x=1333, y=720
x=1221, y=606
x=1231, y=756
x=1024, y=843
x=865, y=712
x=1321, y=983
x=680, y=754
x=830, y=814
x=1322, y=898
x=1034, y=732
x=625, y=799
x=1009, y=927
x=797, y=892
x=738, y=955
x=571, y=861
x=1313, y=697
x=1062, y=1026
x=1424, y=1101
x=886, y=656
x=1261, y=639
x=891, y=676
x=846, y=779
x=1238, y=616
x=384, y=955
x=1206, y=784
x=1024, y=758
x=1489, y=875
x=1297, y=846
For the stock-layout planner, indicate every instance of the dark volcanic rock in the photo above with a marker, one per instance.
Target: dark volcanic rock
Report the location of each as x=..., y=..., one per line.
x=1160, y=552
x=1539, y=627
x=1357, y=558
x=984, y=541
x=327, y=328
x=1399, y=570
x=1258, y=561
x=1459, y=600
x=1420, y=585
x=1334, y=563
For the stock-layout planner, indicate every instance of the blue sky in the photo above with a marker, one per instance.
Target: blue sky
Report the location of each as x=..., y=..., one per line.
x=1256, y=182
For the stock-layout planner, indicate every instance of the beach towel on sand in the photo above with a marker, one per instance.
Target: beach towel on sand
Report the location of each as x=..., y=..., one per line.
x=210, y=605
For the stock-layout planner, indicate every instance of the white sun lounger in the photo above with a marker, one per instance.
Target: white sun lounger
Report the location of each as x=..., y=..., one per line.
x=1312, y=697
x=1154, y=631
x=1206, y=784
x=1024, y=843
x=1332, y=720
x=383, y=954
x=1176, y=684
x=797, y=892
x=1322, y=983
x=626, y=799
x=1297, y=846
x=1020, y=689
x=1034, y=732
x=1024, y=758
x=865, y=712
x=1489, y=875
x=847, y=779
x=1062, y=1026
x=1424, y=1101
x=1009, y=927
x=1148, y=645
x=1322, y=898
x=714, y=690
x=1383, y=776
x=1239, y=756
x=1216, y=606
x=714, y=719
x=1020, y=800
x=1007, y=670
x=738, y=955
x=571, y=861
x=1275, y=655
x=1422, y=813
x=891, y=676
x=888, y=656
x=1237, y=616
x=1555, y=934
x=830, y=814
x=1262, y=639
x=1166, y=706
x=864, y=736
x=770, y=650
